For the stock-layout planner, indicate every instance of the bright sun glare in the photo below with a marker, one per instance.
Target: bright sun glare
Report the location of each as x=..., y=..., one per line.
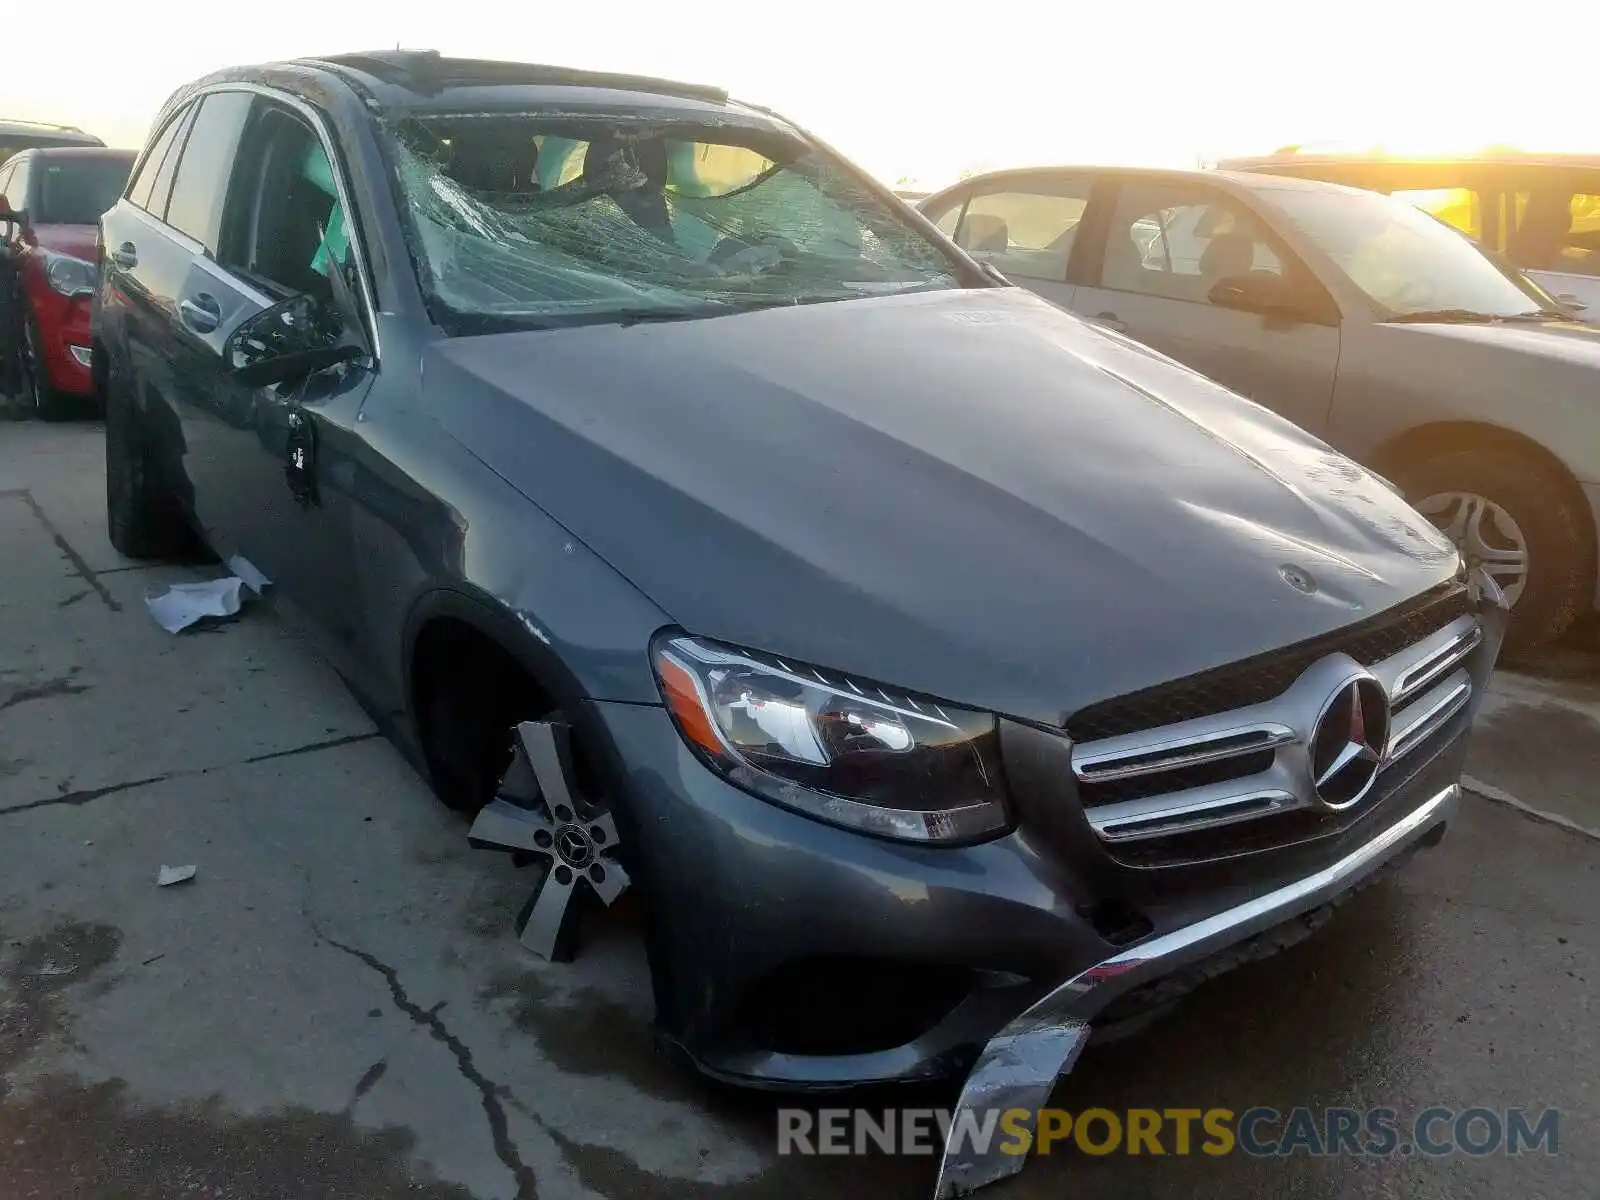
x=920, y=98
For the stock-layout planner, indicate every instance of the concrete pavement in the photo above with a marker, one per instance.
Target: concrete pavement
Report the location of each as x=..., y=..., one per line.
x=336, y=1005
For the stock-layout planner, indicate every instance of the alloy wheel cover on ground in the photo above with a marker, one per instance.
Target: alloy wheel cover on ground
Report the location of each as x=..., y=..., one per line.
x=535, y=812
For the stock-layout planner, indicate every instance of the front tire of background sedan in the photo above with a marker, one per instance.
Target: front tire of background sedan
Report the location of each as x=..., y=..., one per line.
x=143, y=519
x=1509, y=514
x=48, y=404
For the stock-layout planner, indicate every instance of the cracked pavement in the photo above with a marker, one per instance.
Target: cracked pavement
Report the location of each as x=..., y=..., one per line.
x=336, y=1006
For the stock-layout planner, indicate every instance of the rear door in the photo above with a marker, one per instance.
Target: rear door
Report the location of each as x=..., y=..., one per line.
x=143, y=265
x=1024, y=224
x=1158, y=252
x=191, y=304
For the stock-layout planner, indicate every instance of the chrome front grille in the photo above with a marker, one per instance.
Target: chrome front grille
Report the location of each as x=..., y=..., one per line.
x=1162, y=785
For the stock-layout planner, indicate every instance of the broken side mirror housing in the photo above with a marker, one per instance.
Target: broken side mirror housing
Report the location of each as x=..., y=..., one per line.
x=290, y=340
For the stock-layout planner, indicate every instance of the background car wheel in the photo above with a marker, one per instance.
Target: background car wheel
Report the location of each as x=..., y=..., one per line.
x=48, y=404
x=142, y=518
x=1510, y=515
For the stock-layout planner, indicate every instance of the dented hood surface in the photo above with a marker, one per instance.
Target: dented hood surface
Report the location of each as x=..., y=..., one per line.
x=966, y=493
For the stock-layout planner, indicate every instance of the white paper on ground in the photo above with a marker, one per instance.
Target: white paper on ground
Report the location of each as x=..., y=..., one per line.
x=182, y=604
x=172, y=875
x=246, y=570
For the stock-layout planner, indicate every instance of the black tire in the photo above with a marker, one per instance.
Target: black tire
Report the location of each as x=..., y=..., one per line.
x=142, y=518
x=470, y=698
x=48, y=404
x=1556, y=528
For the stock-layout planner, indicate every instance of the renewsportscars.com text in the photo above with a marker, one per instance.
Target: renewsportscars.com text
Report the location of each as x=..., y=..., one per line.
x=1260, y=1132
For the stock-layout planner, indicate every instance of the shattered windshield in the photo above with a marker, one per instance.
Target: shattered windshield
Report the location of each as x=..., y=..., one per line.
x=527, y=221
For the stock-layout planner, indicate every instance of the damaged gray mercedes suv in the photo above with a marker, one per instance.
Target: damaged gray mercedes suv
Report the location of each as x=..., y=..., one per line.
x=944, y=675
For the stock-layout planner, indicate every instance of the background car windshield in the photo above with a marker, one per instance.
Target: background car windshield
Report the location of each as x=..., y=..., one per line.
x=1404, y=259
x=520, y=221
x=79, y=191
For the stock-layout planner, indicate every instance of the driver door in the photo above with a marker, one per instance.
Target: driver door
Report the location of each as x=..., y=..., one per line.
x=1166, y=246
x=283, y=235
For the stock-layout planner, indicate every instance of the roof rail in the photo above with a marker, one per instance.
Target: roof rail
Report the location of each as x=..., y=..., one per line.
x=427, y=71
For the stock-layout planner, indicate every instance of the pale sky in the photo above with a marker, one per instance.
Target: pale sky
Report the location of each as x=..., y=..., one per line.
x=923, y=91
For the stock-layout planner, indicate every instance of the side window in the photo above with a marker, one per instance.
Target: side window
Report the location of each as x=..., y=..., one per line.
x=5, y=180
x=1557, y=229
x=1458, y=206
x=200, y=184
x=1178, y=243
x=161, y=190
x=1027, y=229
x=142, y=184
x=284, y=227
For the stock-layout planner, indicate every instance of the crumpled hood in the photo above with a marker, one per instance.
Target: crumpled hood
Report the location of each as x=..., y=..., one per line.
x=966, y=493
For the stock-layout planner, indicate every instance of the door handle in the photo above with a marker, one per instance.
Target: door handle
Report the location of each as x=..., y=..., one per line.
x=202, y=314
x=300, y=455
x=126, y=256
x=1111, y=321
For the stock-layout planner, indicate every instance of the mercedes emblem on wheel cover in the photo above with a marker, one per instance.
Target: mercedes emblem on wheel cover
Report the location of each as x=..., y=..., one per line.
x=1348, y=744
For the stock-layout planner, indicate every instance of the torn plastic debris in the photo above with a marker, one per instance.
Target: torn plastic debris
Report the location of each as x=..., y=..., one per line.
x=183, y=604
x=246, y=571
x=172, y=875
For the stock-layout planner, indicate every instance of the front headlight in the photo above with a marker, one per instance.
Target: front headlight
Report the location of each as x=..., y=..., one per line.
x=840, y=750
x=69, y=276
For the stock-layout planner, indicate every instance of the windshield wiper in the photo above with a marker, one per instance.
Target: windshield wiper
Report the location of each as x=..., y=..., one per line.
x=639, y=316
x=1542, y=314
x=1444, y=316
x=1467, y=316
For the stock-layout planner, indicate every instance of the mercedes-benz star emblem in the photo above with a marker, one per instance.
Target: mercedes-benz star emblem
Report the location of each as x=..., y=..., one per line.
x=1298, y=578
x=574, y=846
x=1347, y=747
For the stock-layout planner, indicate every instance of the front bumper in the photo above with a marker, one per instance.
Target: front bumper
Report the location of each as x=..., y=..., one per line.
x=64, y=338
x=754, y=908
x=1022, y=1063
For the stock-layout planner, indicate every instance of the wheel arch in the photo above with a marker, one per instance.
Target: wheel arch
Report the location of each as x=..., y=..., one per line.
x=596, y=757
x=1445, y=437
x=494, y=622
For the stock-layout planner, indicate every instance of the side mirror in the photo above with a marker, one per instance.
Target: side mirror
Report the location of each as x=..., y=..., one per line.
x=291, y=340
x=1260, y=292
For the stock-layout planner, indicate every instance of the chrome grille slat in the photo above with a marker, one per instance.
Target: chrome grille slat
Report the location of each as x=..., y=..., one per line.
x=1414, y=669
x=1186, y=818
x=1412, y=724
x=1191, y=751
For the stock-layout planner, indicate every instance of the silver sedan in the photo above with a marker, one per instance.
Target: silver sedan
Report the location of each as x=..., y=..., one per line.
x=1364, y=320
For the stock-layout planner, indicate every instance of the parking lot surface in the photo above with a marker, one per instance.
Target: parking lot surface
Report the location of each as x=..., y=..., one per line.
x=336, y=1005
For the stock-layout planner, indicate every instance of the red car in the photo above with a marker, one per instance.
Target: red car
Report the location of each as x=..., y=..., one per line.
x=50, y=206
